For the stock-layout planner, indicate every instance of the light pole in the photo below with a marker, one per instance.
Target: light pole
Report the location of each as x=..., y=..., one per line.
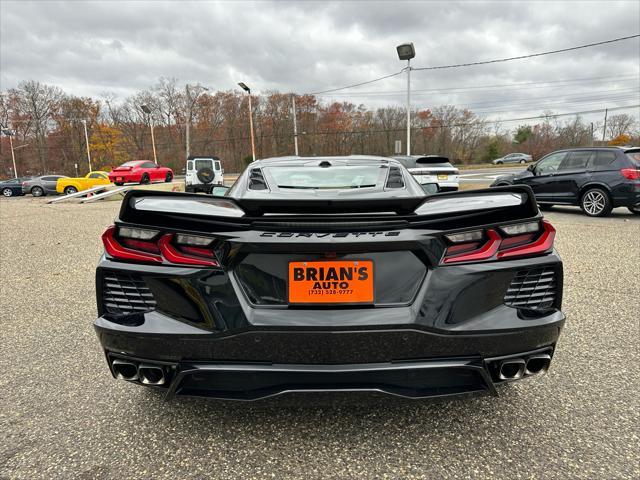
x=253, y=145
x=147, y=110
x=295, y=124
x=407, y=52
x=9, y=133
x=86, y=139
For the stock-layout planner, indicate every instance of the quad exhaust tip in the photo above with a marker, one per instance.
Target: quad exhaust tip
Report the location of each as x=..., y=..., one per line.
x=537, y=364
x=151, y=374
x=512, y=369
x=124, y=370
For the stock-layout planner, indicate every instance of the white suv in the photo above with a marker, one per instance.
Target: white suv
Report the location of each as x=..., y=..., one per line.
x=203, y=173
x=432, y=169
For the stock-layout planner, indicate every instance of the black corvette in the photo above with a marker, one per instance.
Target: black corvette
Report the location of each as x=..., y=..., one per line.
x=329, y=274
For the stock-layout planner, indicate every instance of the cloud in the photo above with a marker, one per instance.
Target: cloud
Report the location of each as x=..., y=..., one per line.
x=91, y=47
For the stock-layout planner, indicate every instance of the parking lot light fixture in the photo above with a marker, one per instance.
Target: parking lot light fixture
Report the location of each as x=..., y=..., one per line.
x=407, y=52
x=147, y=110
x=253, y=145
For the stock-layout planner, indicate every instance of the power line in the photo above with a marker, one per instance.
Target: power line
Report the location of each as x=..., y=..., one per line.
x=518, y=86
x=459, y=65
x=358, y=84
x=520, y=57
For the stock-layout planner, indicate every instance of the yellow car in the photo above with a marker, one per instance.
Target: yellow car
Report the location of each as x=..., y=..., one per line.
x=73, y=185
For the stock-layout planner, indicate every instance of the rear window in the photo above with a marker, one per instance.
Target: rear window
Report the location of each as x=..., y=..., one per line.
x=333, y=177
x=431, y=160
x=203, y=163
x=634, y=157
x=602, y=159
x=131, y=164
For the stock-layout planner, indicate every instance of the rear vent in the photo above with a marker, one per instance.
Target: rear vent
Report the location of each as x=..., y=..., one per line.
x=256, y=180
x=395, y=180
x=126, y=293
x=534, y=288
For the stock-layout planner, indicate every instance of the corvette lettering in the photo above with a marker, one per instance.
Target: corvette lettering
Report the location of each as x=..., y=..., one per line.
x=327, y=235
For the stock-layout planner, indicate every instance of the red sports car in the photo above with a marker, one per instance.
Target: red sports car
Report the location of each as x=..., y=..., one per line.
x=140, y=171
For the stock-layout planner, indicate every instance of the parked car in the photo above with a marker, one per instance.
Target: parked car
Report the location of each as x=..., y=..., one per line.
x=12, y=187
x=140, y=171
x=596, y=179
x=42, y=185
x=203, y=173
x=325, y=274
x=513, y=158
x=432, y=169
x=90, y=180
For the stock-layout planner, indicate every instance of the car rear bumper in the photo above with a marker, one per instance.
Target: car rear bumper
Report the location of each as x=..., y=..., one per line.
x=259, y=363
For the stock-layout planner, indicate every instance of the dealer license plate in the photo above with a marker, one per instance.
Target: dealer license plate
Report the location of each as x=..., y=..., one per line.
x=349, y=281
x=443, y=177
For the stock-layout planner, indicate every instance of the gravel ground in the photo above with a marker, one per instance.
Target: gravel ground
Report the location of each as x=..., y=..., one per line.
x=63, y=416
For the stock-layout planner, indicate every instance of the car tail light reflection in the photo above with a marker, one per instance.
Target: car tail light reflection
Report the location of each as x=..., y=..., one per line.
x=150, y=246
x=517, y=240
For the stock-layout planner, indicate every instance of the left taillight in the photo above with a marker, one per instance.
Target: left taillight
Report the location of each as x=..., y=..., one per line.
x=509, y=241
x=151, y=246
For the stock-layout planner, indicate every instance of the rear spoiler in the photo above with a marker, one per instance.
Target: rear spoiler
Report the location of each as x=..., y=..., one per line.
x=193, y=211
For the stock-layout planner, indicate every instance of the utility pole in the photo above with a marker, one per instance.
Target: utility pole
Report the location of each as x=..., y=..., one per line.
x=592, y=134
x=295, y=125
x=86, y=139
x=146, y=109
x=13, y=156
x=604, y=129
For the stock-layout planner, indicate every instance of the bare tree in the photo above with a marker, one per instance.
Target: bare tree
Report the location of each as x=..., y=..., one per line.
x=39, y=102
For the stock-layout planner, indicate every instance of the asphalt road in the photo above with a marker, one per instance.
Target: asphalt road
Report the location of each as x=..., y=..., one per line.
x=63, y=416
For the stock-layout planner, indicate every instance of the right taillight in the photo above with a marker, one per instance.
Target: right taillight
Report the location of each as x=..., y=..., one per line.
x=508, y=241
x=631, y=173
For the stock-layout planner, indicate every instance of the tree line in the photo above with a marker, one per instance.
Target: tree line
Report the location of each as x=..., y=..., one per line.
x=48, y=129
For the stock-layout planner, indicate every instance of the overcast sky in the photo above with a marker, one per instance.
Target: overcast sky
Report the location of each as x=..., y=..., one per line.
x=88, y=48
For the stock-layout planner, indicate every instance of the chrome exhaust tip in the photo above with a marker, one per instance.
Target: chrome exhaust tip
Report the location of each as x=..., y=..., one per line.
x=512, y=369
x=124, y=370
x=151, y=374
x=537, y=364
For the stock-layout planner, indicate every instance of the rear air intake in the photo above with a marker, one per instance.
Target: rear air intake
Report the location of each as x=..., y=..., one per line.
x=532, y=288
x=394, y=179
x=124, y=293
x=256, y=180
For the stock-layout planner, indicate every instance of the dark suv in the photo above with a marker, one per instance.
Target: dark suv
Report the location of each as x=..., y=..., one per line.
x=595, y=179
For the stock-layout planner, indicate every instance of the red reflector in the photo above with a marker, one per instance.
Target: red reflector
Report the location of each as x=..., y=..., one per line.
x=485, y=252
x=175, y=256
x=517, y=240
x=543, y=244
x=630, y=173
x=140, y=245
x=197, y=251
x=116, y=250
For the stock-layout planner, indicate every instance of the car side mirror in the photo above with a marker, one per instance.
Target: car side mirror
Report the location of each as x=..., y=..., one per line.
x=531, y=168
x=219, y=191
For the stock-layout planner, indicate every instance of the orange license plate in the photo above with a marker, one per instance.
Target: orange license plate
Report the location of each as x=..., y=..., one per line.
x=349, y=281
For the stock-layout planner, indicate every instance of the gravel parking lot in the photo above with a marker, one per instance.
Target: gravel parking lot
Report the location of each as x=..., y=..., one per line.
x=63, y=416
